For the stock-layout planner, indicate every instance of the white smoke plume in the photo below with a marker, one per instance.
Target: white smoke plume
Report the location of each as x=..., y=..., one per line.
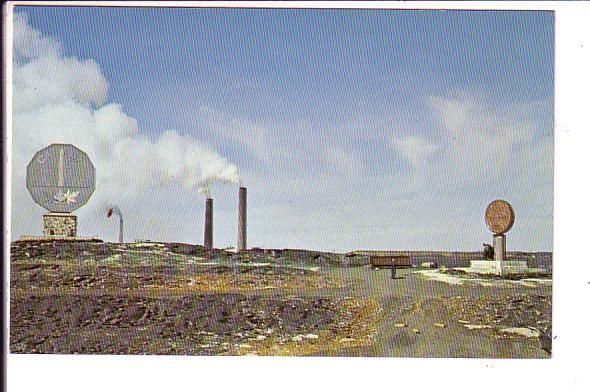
x=205, y=189
x=62, y=99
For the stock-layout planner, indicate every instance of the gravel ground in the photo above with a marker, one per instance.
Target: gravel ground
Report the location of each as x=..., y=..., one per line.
x=175, y=299
x=206, y=324
x=427, y=317
x=159, y=301
x=503, y=311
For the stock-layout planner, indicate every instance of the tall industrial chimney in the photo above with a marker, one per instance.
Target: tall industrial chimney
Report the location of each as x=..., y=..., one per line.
x=115, y=210
x=208, y=224
x=242, y=220
x=120, y=229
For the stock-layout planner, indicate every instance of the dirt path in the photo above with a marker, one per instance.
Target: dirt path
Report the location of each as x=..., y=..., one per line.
x=427, y=325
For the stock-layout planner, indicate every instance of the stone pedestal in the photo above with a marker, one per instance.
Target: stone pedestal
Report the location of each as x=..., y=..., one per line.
x=498, y=267
x=499, y=247
x=57, y=224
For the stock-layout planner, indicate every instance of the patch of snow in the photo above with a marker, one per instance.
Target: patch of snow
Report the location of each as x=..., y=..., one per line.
x=436, y=275
x=524, y=331
x=146, y=245
x=313, y=269
x=298, y=338
x=485, y=284
x=527, y=284
x=458, y=280
x=116, y=257
x=476, y=326
x=543, y=281
x=239, y=264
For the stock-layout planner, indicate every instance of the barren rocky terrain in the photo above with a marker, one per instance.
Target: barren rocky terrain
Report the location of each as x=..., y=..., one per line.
x=151, y=298
x=156, y=299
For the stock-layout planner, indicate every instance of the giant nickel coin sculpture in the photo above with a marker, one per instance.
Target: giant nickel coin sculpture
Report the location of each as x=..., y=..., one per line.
x=499, y=219
x=60, y=178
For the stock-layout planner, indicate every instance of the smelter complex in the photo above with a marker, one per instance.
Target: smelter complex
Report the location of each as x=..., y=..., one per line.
x=60, y=178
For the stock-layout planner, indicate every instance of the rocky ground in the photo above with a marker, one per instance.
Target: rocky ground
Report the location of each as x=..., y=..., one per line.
x=156, y=299
x=203, y=324
x=501, y=314
x=177, y=299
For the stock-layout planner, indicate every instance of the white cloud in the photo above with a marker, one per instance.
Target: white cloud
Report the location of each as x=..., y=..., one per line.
x=343, y=161
x=481, y=152
x=44, y=76
x=246, y=133
x=416, y=149
x=476, y=143
x=60, y=99
x=29, y=43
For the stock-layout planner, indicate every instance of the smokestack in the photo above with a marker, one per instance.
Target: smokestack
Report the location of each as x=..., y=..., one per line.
x=208, y=224
x=120, y=229
x=116, y=211
x=242, y=220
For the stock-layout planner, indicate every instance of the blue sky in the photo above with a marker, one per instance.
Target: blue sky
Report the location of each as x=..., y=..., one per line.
x=351, y=129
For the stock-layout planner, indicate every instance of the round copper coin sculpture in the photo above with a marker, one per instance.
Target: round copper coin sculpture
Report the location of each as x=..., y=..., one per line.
x=499, y=216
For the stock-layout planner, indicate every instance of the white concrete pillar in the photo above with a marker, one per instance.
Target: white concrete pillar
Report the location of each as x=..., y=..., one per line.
x=499, y=247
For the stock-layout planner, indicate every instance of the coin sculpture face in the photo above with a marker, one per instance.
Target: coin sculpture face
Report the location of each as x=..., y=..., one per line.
x=499, y=216
x=60, y=178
